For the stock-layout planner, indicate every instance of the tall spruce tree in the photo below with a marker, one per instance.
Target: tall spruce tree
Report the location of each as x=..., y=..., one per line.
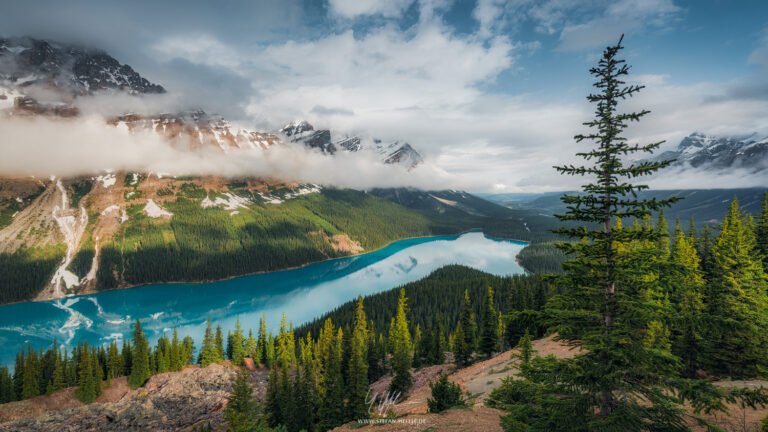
x=468, y=323
x=140, y=371
x=86, y=382
x=331, y=407
x=209, y=352
x=31, y=374
x=357, y=382
x=241, y=409
x=489, y=326
x=686, y=292
x=619, y=382
x=261, y=342
x=761, y=232
x=402, y=350
x=219, y=344
x=238, y=347
x=250, y=347
x=737, y=295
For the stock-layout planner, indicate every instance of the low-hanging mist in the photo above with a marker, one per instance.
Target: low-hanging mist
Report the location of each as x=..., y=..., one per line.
x=88, y=145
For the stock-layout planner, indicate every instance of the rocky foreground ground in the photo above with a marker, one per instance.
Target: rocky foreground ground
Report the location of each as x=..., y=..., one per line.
x=167, y=402
x=178, y=401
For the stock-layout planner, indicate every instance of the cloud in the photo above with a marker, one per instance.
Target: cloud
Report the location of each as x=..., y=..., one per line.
x=356, y=8
x=198, y=49
x=625, y=16
x=88, y=146
x=329, y=111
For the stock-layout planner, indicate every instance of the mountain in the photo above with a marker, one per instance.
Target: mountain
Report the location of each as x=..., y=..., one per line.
x=26, y=62
x=706, y=206
x=393, y=153
x=708, y=153
x=196, y=129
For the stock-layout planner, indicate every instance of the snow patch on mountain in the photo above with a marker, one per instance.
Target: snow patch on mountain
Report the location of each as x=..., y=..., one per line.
x=72, y=228
x=155, y=211
x=229, y=201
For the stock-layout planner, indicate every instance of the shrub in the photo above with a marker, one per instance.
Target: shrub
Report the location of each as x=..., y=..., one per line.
x=445, y=395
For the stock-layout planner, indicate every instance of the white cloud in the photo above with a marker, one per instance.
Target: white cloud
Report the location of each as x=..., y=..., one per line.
x=198, y=49
x=89, y=146
x=625, y=16
x=356, y=8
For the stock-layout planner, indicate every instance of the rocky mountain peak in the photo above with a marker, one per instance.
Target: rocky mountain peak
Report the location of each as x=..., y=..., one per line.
x=75, y=70
x=711, y=152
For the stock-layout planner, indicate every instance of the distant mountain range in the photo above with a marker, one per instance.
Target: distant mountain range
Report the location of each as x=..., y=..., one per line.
x=395, y=152
x=711, y=153
x=706, y=206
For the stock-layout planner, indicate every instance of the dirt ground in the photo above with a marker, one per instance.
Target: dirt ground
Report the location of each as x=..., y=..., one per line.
x=59, y=401
x=482, y=377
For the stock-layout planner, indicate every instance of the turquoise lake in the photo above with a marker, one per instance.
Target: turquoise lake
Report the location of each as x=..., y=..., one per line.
x=303, y=294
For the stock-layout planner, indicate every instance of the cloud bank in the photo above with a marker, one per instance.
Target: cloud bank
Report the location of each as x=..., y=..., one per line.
x=43, y=147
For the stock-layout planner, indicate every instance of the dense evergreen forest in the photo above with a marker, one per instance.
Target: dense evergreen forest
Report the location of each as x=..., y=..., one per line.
x=208, y=244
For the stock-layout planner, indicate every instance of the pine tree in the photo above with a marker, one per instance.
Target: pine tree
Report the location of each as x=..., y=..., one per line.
x=462, y=353
x=438, y=345
x=737, y=296
x=526, y=351
x=125, y=353
x=331, y=407
x=662, y=231
x=140, y=370
x=208, y=354
x=240, y=411
x=605, y=308
x=417, y=343
x=114, y=361
x=401, y=350
x=59, y=380
x=7, y=394
x=188, y=350
x=261, y=343
x=18, y=375
x=219, y=345
x=272, y=410
x=97, y=374
x=468, y=323
x=357, y=384
x=177, y=352
x=31, y=377
x=238, y=349
x=86, y=384
x=761, y=232
x=250, y=347
x=306, y=387
x=687, y=297
x=489, y=326
x=269, y=351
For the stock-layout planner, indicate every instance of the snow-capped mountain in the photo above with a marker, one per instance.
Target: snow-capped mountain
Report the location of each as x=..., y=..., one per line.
x=72, y=72
x=197, y=129
x=709, y=152
x=394, y=153
x=25, y=62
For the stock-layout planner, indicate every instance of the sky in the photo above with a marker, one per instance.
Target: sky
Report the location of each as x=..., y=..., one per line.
x=490, y=92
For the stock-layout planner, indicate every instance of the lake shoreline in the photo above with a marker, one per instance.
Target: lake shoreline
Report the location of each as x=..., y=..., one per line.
x=201, y=282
